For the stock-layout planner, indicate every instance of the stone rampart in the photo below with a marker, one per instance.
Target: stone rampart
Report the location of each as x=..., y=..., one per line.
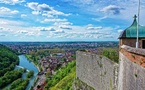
x=96, y=71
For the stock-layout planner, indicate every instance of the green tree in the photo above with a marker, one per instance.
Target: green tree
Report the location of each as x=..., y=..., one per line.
x=111, y=54
x=30, y=74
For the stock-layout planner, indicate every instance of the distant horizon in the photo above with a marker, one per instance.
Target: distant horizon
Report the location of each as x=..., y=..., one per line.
x=58, y=41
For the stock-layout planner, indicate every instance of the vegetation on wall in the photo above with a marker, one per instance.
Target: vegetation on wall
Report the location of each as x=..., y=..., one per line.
x=78, y=84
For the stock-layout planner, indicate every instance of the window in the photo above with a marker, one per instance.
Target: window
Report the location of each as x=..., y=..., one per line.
x=143, y=44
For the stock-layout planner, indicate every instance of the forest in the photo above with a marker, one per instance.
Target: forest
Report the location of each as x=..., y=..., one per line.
x=9, y=76
x=8, y=60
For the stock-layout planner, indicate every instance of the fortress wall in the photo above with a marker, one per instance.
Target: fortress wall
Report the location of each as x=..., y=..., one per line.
x=96, y=71
x=131, y=69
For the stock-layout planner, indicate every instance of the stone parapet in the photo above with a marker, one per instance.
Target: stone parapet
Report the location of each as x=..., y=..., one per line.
x=136, y=55
x=138, y=51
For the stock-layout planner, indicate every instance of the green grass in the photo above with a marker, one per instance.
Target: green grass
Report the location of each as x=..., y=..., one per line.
x=63, y=79
x=66, y=82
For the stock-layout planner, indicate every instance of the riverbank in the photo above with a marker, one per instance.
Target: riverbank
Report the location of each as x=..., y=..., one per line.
x=38, y=79
x=25, y=63
x=36, y=65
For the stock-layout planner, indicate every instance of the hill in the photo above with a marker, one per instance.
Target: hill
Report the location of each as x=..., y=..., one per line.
x=63, y=79
x=8, y=60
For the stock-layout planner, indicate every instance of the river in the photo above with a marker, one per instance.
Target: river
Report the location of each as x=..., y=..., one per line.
x=25, y=63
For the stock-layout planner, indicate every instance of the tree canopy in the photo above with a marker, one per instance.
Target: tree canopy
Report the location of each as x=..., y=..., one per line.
x=111, y=54
x=8, y=60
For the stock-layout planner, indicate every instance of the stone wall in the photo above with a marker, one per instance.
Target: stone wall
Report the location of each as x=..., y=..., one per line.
x=96, y=71
x=80, y=85
x=131, y=73
x=130, y=42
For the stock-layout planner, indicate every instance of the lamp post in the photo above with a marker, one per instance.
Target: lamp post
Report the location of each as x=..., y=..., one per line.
x=137, y=44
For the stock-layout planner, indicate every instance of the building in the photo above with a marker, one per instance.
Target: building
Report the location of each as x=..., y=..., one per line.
x=129, y=35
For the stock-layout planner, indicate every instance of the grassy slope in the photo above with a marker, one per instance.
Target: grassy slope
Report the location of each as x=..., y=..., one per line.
x=66, y=82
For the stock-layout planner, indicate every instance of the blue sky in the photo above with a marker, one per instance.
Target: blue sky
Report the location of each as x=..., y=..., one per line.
x=66, y=20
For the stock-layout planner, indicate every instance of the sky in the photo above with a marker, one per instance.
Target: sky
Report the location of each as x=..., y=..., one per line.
x=67, y=20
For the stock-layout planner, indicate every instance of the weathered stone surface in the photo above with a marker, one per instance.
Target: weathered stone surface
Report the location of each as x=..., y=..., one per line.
x=79, y=85
x=138, y=51
x=102, y=74
x=96, y=71
x=131, y=75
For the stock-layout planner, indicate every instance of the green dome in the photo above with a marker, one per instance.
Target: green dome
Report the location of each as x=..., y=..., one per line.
x=131, y=32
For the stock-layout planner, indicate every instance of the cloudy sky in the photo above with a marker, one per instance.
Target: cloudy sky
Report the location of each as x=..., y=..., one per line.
x=66, y=20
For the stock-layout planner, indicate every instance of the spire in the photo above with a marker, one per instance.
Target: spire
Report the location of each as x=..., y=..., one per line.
x=135, y=16
x=135, y=21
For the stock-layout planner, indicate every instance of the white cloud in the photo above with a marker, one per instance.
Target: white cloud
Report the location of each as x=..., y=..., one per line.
x=11, y=1
x=119, y=31
x=55, y=12
x=4, y=22
x=12, y=27
x=47, y=15
x=23, y=15
x=48, y=29
x=32, y=5
x=59, y=32
x=36, y=12
x=14, y=12
x=44, y=9
x=7, y=11
x=113, y=9
x=51, y=29
x=55, y=20
x=100, y=19
x=63, y=23
x=80, y=2
x=23, y=32
x=65, y=27
x=94, y=28
x=79, y=33
x=43, y=30
x=39, y=7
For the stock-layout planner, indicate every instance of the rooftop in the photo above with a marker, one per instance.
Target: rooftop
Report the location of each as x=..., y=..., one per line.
x=131, y=32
